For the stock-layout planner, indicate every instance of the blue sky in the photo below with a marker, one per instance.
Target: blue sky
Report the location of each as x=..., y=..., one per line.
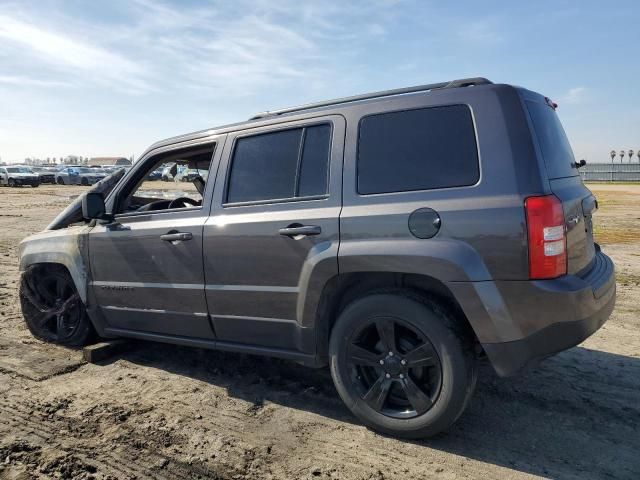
x=109, y=78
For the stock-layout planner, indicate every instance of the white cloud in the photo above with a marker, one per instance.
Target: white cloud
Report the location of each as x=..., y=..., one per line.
x=73, y=55
x=576, y=95
x=222, y=48
x=22, y=81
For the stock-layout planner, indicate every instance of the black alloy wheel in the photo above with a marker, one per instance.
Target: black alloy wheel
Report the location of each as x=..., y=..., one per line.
x=403, y=363
x=52, y=307
x=394, y=367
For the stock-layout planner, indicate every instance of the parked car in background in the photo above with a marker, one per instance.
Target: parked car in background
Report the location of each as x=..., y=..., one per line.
x=17, y=176
x=155, y=174
x=167, y=174
x=188, y=175
x=62, y=166
x=109, y=169
x=46, y=174
x=79, y=176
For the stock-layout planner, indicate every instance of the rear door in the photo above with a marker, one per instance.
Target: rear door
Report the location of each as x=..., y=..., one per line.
x=274, y=225
x=578, y=202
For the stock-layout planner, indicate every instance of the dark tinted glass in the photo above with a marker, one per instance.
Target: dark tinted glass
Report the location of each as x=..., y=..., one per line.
x=555, y=147
x=417, y=150
x=272, y=165
x=315, y=161
x=264, y=167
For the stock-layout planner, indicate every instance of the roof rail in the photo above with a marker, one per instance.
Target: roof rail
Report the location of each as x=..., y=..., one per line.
x=463, y=82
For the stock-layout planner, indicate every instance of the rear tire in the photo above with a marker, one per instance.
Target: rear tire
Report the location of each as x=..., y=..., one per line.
x=52, y=308
x=84, y=182
x=12, y=182
x=425, y=383
x=60, y=181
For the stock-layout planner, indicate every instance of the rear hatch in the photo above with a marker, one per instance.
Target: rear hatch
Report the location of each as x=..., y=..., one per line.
x=578, y=202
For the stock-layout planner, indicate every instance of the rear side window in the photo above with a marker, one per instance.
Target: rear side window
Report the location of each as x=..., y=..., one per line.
x=554, y=145
x=417, y=150
x=280, y=165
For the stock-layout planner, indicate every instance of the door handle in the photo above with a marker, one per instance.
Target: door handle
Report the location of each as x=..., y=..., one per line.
x=299, y=231
x=176, y=237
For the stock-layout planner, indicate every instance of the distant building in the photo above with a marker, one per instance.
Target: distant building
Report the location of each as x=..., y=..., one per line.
x=96, y=161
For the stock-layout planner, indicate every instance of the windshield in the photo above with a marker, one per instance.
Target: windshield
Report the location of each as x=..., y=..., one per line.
x=19, y=170
x=554, y=145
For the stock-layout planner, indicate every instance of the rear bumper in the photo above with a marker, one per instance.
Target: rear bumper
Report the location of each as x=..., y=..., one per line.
x=508, y=358
x=520, y=323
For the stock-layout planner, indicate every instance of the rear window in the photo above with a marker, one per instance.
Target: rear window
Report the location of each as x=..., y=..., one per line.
x=554, y=145
x=417, y=150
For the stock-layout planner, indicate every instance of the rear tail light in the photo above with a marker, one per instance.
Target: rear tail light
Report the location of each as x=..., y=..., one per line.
x=547, y=237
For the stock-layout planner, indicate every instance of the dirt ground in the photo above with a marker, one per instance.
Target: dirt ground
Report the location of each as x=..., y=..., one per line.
x=161, y=411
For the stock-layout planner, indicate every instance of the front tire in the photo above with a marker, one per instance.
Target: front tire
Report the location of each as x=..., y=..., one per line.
x=52, y=308
x=402, y=364
x=12, y=182
x=60, y=181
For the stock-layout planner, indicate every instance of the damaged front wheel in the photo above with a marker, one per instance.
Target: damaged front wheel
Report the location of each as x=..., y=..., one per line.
x=52, y=307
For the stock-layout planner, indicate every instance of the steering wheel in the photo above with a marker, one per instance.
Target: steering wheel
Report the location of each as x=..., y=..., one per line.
x=182, y=202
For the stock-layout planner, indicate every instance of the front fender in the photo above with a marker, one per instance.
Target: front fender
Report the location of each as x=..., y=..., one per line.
x=67, y=247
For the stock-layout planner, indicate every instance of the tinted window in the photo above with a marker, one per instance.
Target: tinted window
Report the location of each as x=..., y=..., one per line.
x=285, y=164
x=417, y=150
x=314, y=161
x=554, y=145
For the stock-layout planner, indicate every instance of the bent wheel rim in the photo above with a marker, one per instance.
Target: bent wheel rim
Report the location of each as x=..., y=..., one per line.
x=56, y=307
x=394, y=368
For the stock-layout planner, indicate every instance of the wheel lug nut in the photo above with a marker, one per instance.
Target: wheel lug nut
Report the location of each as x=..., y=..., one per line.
x=401, y=376
x=381, y=362
x=388, y=375
x=391, y=354
x=403, y=362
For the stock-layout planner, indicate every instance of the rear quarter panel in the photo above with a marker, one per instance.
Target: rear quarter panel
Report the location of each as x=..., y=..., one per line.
x=486, y=218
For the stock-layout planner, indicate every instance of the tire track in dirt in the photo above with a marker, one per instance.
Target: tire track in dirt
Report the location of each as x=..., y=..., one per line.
x=46, y=428
x=51, y=433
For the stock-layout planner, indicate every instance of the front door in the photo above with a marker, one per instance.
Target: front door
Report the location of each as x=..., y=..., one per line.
x=146, y=267
x=273, y=229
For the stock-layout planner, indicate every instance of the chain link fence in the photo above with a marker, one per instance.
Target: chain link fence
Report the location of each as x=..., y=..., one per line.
x=611, y=172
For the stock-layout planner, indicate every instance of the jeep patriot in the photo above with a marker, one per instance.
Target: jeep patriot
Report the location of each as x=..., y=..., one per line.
x=398, y=237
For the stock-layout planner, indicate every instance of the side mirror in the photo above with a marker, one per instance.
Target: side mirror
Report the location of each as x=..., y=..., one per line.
x=93, y=207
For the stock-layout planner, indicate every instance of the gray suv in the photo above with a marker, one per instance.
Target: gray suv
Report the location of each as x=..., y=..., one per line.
x=398, y=237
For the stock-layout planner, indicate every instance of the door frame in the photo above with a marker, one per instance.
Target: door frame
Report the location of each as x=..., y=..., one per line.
x=132, y=177
x=299, y=325
x=143, y=164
